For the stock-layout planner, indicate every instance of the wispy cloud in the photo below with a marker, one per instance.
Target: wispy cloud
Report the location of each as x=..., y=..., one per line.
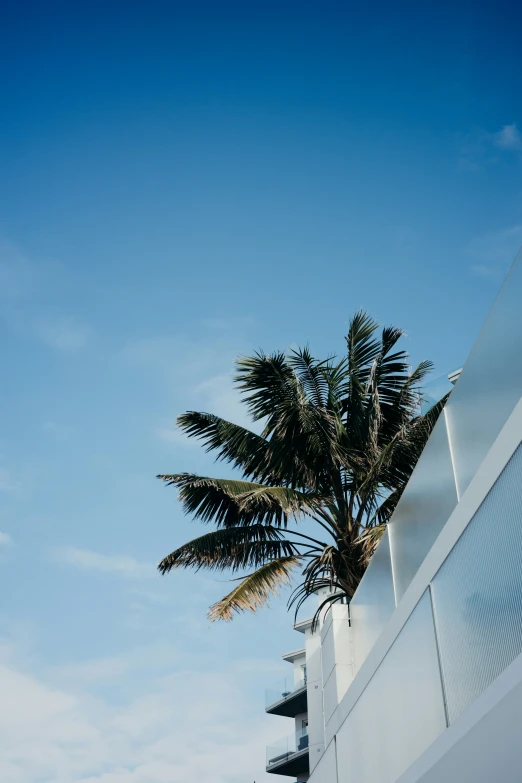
x=63, y=333
x=216, y=395
x=8, y=483
x=22, y=282
x=509, y=138
x=222, y=398
x=188, y=725
x=494, y=252
x=57, y=430
x=153, y=658
x=88, y=560
x=5, y=539
x=226, y=324
x=483, y=270
x=199, y=369
x=171, y=434
x=18, y=278
x=481, y=148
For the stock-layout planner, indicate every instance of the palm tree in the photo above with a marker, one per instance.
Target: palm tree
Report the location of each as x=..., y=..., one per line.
x=340, y=439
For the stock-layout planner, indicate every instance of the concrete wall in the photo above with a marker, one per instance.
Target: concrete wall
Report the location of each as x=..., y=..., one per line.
x=326, y=769
x=314, y=688
x=337, y=664
x=299, y=662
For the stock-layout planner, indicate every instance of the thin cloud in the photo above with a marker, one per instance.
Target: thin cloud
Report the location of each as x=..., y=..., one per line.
x=217, y=395
x=481, y=148
x=172, y=434
x=54, y=729
x=222, y=398
x=494, y=252
x=24, y=286
x=62, y=333
x=150, y=659
x=5, y=539
x=209, y=349
x=508, y=138
x=482, y=270
x=57, y=430
x=199, y=370
x=88, y=560
x=18, y=278
x=8, y=483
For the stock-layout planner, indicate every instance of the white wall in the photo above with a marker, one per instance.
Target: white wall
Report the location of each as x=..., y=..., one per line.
x=299, y=662
x=326, y=769
x=337, y=661
x=314, y=689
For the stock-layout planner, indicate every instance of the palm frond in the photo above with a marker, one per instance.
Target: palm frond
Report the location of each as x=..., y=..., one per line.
x=272, y=389
x=368, y=541
x=291, y=502
x=230, y=503
x=312, y=374
x=302, y=592
x=242, y=448
x=265, y=382
x=230, y=548
x=211, y=499
x=325, y=605
x=384, y=509
x=362, y=346
x=255, y=590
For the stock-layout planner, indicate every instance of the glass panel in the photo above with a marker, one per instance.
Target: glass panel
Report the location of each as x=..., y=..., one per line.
x=283, y=689
x=478, y=594
x=284, y=748
x=490, y=384
x=400, y=712
x=426, y=504
x=373, y=603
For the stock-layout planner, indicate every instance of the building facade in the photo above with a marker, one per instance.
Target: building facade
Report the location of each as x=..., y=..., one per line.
x=419, y=680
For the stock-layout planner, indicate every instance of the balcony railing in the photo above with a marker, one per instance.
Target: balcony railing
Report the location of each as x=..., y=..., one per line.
x=285, y=749
x=284, y=689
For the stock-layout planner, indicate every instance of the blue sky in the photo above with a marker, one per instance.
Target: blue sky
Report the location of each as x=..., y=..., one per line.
x=181, y=184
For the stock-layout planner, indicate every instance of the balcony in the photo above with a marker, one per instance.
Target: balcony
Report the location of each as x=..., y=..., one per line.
x=289, y=756
x=287, y=698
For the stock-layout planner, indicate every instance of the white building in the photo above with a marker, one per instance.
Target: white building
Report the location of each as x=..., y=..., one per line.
x=419, y=680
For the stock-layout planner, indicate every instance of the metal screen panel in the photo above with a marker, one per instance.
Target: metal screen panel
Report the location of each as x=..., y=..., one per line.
x=400, y=712
x=478, y=594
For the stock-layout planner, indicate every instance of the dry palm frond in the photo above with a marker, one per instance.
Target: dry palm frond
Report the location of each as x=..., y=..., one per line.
x=255, y=590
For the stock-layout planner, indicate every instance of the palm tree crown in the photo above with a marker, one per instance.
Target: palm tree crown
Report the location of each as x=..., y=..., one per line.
x=340, y=439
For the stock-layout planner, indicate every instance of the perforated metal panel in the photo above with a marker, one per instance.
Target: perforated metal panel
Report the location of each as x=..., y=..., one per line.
x=478, y=594
x=400, y=712
x=373, y=603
